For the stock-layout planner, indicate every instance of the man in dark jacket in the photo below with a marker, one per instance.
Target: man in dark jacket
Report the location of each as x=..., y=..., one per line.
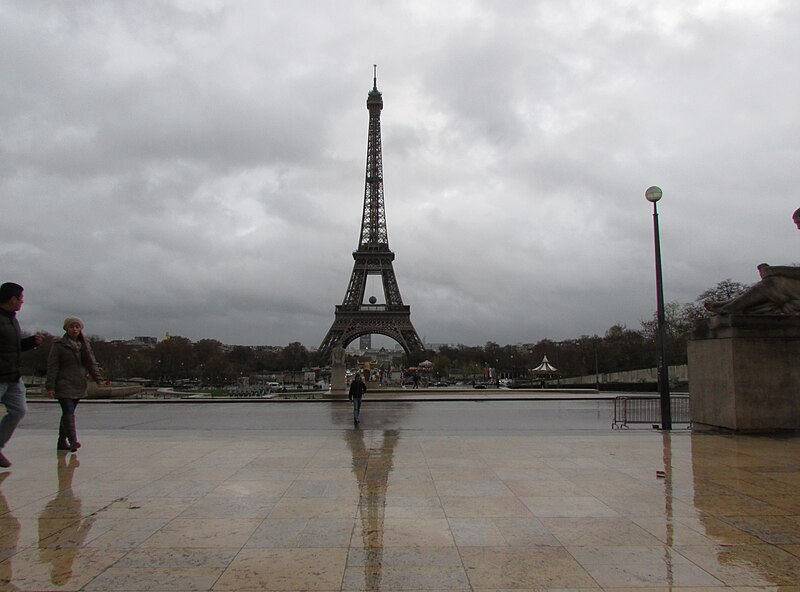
x=12, y=389
x=357, y=390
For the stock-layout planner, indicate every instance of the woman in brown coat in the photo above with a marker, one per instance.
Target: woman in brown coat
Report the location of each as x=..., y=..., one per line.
x=70, y=360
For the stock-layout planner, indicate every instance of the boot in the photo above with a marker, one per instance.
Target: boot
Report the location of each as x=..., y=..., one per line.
x=72, y=436
x=62, y=435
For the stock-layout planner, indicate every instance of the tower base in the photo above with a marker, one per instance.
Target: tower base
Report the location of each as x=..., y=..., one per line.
x=393, y=322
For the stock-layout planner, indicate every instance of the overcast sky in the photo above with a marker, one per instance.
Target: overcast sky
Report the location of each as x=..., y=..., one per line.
x=197, y=167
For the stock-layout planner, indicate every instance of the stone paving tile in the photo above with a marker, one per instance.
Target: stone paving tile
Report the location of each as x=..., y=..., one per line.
x=590, y=531
x=568, y=506
x=285, y=569
x=524, y=567
x=301, y=532
x=483, y=506
x=777, y=530
x=203, y=533
x=746, y=565
x=156, y=578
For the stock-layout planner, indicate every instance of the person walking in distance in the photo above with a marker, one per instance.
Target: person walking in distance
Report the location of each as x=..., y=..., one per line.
x=357, y=390
x=12, y=389
x=70, y=360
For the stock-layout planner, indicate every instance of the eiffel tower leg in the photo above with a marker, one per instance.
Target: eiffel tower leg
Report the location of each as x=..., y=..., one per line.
x=326, y=348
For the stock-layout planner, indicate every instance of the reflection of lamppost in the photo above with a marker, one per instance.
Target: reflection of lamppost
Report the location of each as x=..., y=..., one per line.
x=653, y=194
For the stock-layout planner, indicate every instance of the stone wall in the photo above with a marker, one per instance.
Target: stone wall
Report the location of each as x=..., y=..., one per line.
x=677, y=374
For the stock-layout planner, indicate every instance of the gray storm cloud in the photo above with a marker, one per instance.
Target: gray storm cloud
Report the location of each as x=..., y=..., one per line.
x=182, y=167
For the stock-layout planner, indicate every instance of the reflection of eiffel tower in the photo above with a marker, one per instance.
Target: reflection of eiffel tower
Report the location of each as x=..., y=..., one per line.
x=371, y=466
x=354, y=317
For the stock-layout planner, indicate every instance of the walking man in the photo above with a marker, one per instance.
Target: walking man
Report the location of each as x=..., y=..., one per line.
x=12, y=389
x=357, y=390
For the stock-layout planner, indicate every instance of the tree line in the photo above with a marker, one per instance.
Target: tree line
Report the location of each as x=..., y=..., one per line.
x=619, y=349
x=208, y=361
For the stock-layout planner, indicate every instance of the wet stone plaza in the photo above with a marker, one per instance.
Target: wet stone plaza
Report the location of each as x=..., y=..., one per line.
x=498, y=495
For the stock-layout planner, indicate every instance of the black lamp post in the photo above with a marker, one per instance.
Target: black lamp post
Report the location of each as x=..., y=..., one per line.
x=653, y=194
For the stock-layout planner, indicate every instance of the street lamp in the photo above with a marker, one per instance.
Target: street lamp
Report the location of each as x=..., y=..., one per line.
x=653, y=194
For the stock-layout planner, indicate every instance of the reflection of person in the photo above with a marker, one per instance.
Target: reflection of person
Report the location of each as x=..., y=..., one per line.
x=60, y=549
x=778, y=292
x=357, y=390
x=9, y=538
x=70, y=359
x=12, y=389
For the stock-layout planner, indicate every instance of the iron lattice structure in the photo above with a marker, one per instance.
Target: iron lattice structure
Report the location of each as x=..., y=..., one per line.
x=354, y=317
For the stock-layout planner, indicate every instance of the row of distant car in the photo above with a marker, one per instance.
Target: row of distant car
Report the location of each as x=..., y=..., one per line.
x=478, y=385
x=502, y=383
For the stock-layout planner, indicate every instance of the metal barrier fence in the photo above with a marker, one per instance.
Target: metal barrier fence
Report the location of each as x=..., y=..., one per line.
x=648, y=410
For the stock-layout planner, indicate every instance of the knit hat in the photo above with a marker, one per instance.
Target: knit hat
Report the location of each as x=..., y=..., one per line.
x=71, y=321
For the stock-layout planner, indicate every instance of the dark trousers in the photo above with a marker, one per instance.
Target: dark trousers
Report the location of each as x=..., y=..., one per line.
x=67, y=436
x=356, y=407
x=68, y=405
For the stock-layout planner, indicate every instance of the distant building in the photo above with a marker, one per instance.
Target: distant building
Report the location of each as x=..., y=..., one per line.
x=139, y=342
x=438, y=346
x=365, y=342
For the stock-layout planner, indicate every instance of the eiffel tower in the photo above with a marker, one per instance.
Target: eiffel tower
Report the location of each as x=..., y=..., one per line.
x=354, y=317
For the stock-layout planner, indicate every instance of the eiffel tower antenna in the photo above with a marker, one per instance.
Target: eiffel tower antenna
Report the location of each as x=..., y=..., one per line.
x=354, y=317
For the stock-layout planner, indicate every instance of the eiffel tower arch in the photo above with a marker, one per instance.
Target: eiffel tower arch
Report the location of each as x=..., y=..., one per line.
x=354, y=317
